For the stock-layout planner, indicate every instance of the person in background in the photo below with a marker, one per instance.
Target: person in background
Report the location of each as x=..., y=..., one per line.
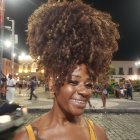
x=90, y=104
x=75, y=44
x=32, y=87
x=104, y=94
x=3, y=88
x=20, y=85
x=117, y=90
x=122, y=91
x=10, y=88
x=129, y=89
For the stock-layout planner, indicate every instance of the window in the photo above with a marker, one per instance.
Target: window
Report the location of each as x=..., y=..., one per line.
x=29, y=68
x=112, y=71
x=23, y=67
x=121, y=71
x=130, y=71
x=34, y=67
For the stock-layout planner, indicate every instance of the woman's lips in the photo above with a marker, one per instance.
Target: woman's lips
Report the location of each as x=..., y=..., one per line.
x=78, y=103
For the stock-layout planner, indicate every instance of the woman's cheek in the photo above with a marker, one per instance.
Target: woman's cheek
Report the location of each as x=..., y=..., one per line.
x=69, y=89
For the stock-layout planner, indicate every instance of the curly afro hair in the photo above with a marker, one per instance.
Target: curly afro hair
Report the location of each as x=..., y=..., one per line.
x=66, y=34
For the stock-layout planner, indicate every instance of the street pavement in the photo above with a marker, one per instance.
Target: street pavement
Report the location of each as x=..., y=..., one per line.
x=119, y=125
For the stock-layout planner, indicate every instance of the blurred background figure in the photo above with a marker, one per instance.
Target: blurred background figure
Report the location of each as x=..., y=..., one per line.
x=32, y=87
x=129, y=89
x=10, y=88
x=20, y=85
x=3, y=88
x=104, y=94
x=117, y=90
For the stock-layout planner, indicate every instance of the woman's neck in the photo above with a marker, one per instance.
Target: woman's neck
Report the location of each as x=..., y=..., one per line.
x=63, y=117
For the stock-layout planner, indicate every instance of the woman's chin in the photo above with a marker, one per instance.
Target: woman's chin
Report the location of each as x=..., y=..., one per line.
x=77, y=111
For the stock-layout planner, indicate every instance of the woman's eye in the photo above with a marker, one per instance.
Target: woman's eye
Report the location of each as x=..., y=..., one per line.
x=73, y=83
x=89, y=86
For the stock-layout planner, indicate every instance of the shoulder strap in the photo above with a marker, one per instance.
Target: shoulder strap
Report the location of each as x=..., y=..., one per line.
x=30, y=132
x=91, y=129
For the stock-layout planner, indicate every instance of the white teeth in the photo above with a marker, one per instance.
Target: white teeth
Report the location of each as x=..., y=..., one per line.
x=79, y=101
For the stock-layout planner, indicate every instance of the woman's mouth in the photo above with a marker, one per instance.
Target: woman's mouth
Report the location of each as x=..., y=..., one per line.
x=78, y=103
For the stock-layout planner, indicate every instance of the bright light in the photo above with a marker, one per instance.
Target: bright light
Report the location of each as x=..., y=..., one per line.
x=134, y=77
x=14, y=55
x=42, y=71
x=20, y=70
x=24, y=57
x=7, y=43
x=16, y=73
x=23, y=54
x=26, y=71
x=137, y=63
x=5, y=119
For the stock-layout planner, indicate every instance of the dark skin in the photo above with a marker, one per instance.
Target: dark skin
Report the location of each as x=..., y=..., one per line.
x=66, y=114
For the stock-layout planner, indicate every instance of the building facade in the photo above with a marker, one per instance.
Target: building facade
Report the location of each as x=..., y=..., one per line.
x=125, y=69
x=120, y=69
x=27, y=67
x=7, y=67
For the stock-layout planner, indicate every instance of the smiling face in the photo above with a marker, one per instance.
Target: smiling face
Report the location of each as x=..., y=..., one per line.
x=76, y=91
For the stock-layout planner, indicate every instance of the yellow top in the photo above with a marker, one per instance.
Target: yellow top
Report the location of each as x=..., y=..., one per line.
x=89, y=122
x=30, y=132
x=91, y=129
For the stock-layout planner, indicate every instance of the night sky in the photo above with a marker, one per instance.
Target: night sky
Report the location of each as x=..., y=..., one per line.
x=125, y=12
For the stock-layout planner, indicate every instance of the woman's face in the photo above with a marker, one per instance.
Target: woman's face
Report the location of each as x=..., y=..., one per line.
x=76, y=91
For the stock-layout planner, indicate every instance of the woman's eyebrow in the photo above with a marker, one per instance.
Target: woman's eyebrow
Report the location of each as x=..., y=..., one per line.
x=78, y=76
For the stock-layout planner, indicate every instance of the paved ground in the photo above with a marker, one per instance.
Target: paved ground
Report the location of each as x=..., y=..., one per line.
x=119, y=126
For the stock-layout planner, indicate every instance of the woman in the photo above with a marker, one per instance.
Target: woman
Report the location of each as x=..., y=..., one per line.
x=75, y=43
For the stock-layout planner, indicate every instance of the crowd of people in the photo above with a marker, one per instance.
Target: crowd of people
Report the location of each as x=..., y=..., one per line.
x=123, y=89
x=8, y=85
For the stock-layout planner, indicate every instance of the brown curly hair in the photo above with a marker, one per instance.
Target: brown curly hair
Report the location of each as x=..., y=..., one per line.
x=66, y=34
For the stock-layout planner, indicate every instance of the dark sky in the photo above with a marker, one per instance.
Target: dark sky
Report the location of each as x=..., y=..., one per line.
x=125, y=12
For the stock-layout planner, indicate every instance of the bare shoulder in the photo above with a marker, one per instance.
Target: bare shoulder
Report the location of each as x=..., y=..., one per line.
x=21, y=134
x=38, y=123
x=100, y=133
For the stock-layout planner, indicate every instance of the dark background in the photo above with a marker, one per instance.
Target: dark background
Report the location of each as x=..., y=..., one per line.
x=125, y=12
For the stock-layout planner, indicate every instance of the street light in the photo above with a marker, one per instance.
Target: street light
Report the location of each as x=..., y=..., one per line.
x=7, y=43
x=13, y=42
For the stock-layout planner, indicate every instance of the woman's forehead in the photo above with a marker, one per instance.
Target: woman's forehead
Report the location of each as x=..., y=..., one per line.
x=80, y=68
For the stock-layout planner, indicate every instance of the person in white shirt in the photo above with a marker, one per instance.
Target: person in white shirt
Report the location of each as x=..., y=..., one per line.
x=10, y=89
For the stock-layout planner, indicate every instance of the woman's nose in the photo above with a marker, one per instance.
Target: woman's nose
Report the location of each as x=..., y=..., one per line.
x=82, y=90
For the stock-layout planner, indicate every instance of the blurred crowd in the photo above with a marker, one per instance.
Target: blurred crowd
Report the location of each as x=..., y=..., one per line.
x=9, y=84
x=122, y=89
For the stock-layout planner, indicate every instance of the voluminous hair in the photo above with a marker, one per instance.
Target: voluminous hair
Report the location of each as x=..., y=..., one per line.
x=67, y=34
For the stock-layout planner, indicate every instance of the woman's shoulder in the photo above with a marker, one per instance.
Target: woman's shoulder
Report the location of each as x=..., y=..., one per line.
x=99, y=132
x=21, y=134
